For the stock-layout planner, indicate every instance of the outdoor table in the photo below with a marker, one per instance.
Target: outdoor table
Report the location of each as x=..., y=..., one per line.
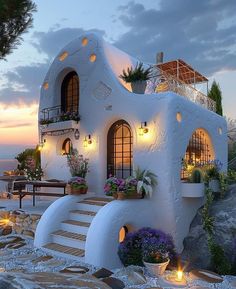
x=38, y=184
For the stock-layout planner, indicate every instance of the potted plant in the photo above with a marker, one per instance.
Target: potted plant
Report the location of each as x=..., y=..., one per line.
x=137, y=77
x=78, y=186
x=156, y=262
x=77, y=163
x=213, y=176
x=115, y=187
x=195, y=186
x=146, y=181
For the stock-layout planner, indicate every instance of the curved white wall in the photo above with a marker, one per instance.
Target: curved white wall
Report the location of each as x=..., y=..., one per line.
x=103, y=100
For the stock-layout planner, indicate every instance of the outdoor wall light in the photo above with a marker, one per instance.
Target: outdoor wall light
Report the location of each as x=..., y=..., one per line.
x=87, y=140
x=40, y=146
x=143, y=128
x=77, y=134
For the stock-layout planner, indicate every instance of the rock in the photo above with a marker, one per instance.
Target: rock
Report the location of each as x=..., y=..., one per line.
x=114, y=283
x=28, y=233
x=35, y=217
x=224, y=213
x=75, y=269
x=206, y=276
x=136, y=278
x=6, y=230
x=51, y=280
x=16, y=245
x=102, y=273
x=42, y=259
x=18, y=229
x=11, y=241
x=233, y=283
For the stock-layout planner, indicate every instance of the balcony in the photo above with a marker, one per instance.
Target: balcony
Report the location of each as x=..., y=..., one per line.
x=53, y=121
x=181, y=78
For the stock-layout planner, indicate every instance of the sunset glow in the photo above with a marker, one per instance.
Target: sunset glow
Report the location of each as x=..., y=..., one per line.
x=18, y=123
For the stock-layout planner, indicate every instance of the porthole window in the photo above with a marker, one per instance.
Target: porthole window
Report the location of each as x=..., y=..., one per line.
x=66, y=147
x=84, y=41
x=45, y=85
x=92, y=57
x=178, y=116
x=122, y=233
x=63, y=56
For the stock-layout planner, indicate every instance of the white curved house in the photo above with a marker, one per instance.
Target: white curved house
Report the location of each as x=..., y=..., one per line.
x=84, y=79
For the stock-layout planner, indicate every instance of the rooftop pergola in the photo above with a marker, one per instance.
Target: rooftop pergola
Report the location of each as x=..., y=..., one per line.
x=182, y=71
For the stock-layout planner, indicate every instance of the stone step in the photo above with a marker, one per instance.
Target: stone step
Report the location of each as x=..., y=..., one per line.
x=70, y=239
x=70, y=235
x=99, y=199
x=75, y=226
x=65, y=249
x=82, y=212
x=76, y=223
x=93, y=203
x=91, y=207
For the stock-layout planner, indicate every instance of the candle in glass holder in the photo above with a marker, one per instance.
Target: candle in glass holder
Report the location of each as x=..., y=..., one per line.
x=179, y=276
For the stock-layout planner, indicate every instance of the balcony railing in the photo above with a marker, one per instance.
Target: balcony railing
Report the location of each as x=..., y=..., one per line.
x=55, y=114
x=161, y=82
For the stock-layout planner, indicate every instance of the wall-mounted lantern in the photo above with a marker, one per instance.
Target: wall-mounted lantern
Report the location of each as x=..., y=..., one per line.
x=143, y=128
x=87, y=140
x=77, y=134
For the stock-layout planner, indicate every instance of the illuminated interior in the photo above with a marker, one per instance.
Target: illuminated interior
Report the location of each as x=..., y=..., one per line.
x=70, y=93
x=92, y=57
x=120, y=150
x=63, y=56
x=66, y=146
x=199, y=151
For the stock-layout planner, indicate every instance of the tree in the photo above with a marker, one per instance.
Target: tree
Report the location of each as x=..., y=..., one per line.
x=215, y=94
x=15, y=19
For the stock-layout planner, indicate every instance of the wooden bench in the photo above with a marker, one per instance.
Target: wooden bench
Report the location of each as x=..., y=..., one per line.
x=20, y=189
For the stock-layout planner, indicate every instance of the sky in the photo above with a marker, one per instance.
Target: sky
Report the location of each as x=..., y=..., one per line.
x=202, y=32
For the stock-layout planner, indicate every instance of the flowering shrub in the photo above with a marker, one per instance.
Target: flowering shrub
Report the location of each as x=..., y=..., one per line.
x=77, y=182
x=113, y=185
x=143, y=244
x=131, y=184
x=77, y=163
x=32, y=171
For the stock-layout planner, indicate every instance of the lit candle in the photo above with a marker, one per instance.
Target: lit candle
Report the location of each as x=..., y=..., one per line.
x=179, y=275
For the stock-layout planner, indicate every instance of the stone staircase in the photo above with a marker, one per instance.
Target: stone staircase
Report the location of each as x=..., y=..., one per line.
x=69, y=240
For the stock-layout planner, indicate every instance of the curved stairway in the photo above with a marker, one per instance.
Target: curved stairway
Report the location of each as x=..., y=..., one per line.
x=69, y=240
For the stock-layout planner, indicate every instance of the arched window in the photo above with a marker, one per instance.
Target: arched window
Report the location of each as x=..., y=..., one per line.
x=199, y=151
x=66, y=146
x=119, y=150
x=70, y=93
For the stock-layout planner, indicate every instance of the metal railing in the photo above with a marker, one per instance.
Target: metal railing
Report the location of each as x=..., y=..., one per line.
x=56, y=114
x=160, y=82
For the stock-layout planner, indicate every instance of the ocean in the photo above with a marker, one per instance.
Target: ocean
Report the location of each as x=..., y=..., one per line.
x=6, y=165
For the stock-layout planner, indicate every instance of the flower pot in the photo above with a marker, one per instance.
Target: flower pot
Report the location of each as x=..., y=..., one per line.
x=214, y=185
x=115, y=195
x=156, y=269
x=121, y=196
x=78, y=191
x=134, y=196
x=192, y=190
x=139, y=86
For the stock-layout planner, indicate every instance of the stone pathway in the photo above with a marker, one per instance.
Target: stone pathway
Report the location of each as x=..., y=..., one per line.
x=21, y=263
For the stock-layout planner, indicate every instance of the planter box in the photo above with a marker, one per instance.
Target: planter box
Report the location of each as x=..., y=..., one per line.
x=193, y=190
x=60, y=125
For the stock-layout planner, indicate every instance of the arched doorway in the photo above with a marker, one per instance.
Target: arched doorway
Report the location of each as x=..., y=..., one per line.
x=70, y=93
x=66, y=146
x=199, y=151
x=119, y=150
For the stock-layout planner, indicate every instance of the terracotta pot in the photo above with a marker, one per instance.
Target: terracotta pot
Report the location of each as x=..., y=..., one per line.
x=115, y=195
x=134, y=196
x=78, y=191
x=121, y=196
x=156, y=269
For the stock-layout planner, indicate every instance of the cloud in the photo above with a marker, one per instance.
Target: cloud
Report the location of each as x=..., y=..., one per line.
x=24, y=81
x=15, y=124
x=201, y=32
